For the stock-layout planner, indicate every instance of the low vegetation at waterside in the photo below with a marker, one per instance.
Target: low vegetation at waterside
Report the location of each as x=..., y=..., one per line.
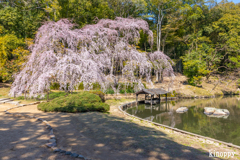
x=80, y=102
x=123, y=88
x=51, y=96
x=55, y=94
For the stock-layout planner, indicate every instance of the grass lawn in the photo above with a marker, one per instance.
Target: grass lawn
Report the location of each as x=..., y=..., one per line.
x=4, y=92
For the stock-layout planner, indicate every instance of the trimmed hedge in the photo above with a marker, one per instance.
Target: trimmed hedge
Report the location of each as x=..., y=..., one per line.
x=54, y=95
x=81, y=102
x=100, y=94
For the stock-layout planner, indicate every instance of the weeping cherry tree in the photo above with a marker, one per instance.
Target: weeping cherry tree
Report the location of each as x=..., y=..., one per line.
x=70, y=56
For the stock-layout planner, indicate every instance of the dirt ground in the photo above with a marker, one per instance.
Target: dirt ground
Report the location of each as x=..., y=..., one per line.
x=22, y=138
x=207, y=88
x=97, y=136
x=67, y=131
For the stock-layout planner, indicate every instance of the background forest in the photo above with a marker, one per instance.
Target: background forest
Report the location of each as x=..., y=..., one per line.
x=202, y=35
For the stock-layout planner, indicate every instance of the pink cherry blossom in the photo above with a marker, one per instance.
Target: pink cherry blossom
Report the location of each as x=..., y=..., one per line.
x=70, y=56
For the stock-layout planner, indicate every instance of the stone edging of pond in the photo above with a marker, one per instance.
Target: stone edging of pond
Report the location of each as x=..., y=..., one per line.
x=174, y=129
x=52, y=141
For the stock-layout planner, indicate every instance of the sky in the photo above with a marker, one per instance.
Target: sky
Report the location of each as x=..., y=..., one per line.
x=235, y=1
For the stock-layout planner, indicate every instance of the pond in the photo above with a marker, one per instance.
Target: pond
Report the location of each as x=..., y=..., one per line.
x=226, y=129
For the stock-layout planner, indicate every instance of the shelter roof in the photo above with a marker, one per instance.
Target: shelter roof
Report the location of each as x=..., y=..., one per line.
x=152, y=91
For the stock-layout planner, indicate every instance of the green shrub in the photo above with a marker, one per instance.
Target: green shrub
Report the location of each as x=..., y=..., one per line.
x=123, y=88
x=20, y=98
x=96, y=86
x=54, y=95
x=127, y=91
x=109, y=91
x=130, y=90
x=56, y=86
x=122, y=91
x=80, y=86
x=100, y=94
x=81, y=102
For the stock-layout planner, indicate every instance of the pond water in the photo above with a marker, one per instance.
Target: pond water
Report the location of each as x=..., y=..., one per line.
x=194, y=120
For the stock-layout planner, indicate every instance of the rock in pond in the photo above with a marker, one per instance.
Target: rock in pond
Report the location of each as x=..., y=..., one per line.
x=221, y=112
x=214, y=112
x=182, y=110
x=209, y=110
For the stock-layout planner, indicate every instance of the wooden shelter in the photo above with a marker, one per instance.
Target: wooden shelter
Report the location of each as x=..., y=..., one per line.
x=150, y=93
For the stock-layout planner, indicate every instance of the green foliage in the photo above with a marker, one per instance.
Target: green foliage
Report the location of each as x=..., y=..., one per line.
x=95, y=86
x=84, y=12
x=194, y=68
x=100, y=94
x=9, y=18
x=55, y=86
x=128, y=90
x=21, y=20
x=54, y=95
x=109, y=91
x=81, y=87
x=12, y=55
x=18, y=23
x=208, y=33
x=143, y=41
x=124, y=88
x=228, y=34
x=81, y=102
x=20, y=98
x=131, y=8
